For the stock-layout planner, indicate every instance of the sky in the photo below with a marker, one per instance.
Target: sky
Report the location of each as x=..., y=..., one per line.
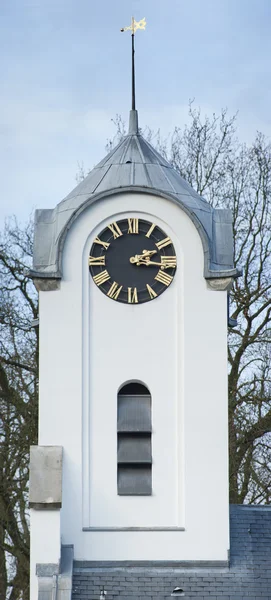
x=65, y=74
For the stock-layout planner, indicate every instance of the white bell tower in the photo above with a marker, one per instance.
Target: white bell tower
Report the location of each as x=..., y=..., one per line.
x=132, y=462
x=132, y=268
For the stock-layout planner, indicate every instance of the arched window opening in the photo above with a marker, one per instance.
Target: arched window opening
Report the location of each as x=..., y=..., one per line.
x=134, y=440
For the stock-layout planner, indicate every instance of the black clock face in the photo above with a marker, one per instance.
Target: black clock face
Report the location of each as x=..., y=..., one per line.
x=132, y=261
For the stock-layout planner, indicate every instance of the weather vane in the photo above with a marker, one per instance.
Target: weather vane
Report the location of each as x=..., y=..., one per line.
x=135, y=25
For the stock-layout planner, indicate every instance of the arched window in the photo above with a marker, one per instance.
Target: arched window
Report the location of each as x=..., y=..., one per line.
x=134, y=440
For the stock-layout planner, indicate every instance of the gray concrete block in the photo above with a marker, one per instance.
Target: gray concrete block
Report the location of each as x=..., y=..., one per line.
x=47, y=570
x=45, y=486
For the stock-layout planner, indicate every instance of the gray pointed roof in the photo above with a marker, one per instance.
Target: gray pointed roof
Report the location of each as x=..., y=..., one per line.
x=133, y=165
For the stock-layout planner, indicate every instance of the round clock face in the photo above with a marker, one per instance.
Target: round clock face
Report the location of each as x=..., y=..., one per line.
x=132, y=261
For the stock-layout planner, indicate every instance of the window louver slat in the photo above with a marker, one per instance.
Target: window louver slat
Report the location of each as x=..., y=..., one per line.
x=134, y=449
x=134, y=413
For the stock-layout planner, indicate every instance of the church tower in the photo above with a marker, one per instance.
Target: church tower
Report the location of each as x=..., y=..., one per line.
x=132, y=268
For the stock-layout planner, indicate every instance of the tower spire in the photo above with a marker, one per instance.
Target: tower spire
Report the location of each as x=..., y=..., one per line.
x=133, y=123
x=133, y=65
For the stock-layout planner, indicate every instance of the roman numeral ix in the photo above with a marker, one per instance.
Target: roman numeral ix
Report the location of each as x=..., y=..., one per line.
x=96, y=261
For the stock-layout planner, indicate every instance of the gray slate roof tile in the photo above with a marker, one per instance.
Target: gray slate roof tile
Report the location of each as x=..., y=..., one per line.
x=248, y=575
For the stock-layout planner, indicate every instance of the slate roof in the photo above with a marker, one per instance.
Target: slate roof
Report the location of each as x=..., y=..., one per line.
x=133, y=166
x=248, y=575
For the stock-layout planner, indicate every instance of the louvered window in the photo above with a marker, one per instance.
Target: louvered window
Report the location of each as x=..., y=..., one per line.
x=134, y=441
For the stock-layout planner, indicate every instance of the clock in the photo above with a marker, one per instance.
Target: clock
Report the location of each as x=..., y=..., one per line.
x=132, y=261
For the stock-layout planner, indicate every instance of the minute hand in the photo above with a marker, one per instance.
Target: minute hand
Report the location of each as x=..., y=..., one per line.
x=165, y=264
x=152, y=262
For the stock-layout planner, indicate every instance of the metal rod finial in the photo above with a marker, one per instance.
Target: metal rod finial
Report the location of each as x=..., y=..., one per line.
x=135, y=25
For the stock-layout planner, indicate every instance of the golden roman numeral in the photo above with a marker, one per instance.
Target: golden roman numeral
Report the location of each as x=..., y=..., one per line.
x=104, y=244
x=163, y=243
x=114, y=291
x=169, y=262
x=101, y=277
x=151, y=291
x=132, y=226
x=150, y=230
x=115, y=230
x=96, y=261
x=132, y=295
x=163, y=277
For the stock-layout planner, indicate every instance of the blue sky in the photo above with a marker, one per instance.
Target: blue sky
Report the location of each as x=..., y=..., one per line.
x=65, y=73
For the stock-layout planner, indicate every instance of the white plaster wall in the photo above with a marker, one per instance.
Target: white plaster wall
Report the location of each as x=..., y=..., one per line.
x=131, y=343
x=44, y=543
x=90, y=345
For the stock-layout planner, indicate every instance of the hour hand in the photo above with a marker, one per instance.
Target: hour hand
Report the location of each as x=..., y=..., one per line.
x=135, y=260
x=142, y=259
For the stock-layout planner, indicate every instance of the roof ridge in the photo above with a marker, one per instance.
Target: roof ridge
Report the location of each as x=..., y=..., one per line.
x=110, y=154
x=157, y=154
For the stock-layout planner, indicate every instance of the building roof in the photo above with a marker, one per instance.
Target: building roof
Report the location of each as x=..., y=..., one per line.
x=248, y=574
x=133, y=166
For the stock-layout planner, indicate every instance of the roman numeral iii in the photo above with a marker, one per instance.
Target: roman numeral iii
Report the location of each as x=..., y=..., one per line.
x=132, y=296
x=101, y=277
x=115, y=230
x=114, y=291
x=163, y=278
x=96, y=261
x=169, y=262
x=132, y=226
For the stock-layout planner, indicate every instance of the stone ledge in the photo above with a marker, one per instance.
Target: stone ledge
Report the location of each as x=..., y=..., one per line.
x=149, y=564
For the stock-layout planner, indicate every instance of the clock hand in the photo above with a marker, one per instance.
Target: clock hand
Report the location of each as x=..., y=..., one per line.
x=167, y=262
x=148, y=252
x=151, y=262
x=163, y=265
x=136, y=260
x=142, y=258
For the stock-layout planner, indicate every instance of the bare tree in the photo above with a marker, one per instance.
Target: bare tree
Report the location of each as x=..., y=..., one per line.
x=250, y=343
x=207, y=154
x=18, y=406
